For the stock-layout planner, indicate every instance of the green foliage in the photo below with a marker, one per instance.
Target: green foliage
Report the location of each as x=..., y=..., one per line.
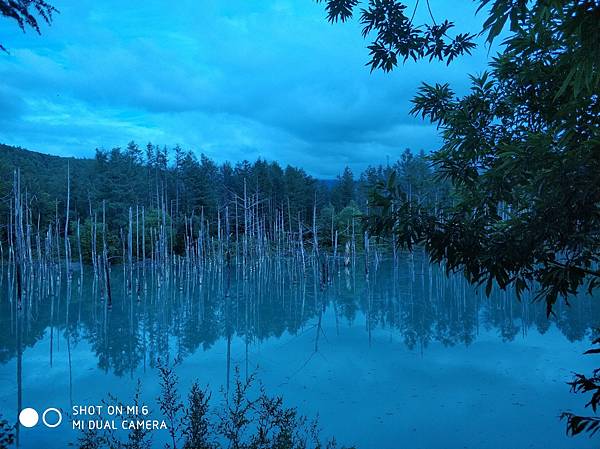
x=344, y=190
x=44, y=181
x=342, y=221
x=184, y=192
x=566, y=31
x=521, y=150
x=583, y=384
x=396, y=37
x=116, y=180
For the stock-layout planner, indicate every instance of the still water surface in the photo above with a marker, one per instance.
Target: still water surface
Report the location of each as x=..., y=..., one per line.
x=403, y=357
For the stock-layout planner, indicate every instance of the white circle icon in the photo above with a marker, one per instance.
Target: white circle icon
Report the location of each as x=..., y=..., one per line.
x=58, y=420
x=28, y=417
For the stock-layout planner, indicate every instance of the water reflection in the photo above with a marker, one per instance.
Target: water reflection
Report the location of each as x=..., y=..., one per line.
x=176, y=316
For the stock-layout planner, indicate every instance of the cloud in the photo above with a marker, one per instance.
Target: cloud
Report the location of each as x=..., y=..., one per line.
x=235, y=79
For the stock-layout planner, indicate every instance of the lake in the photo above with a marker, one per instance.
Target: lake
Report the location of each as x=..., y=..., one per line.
x=398, y=355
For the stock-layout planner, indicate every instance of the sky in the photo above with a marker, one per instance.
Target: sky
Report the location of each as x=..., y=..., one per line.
x=233, y=79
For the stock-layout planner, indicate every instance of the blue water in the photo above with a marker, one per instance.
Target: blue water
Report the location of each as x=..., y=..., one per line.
x=401, y=357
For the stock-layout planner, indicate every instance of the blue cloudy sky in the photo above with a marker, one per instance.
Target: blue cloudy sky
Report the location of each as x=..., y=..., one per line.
x=234, y=79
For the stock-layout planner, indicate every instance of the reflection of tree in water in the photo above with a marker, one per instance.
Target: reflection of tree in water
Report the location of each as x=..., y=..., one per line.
x=411, y=299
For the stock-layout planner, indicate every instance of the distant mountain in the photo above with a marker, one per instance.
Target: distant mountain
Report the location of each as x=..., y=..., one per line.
x=329, y=183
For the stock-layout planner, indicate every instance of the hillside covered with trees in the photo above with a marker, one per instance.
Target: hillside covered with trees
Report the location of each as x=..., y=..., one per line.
x=184, y=185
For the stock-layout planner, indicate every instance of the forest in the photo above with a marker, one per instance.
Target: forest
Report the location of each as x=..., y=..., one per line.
x=199, y=189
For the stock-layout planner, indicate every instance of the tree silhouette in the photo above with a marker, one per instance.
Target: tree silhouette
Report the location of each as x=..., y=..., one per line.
x=27, y=13
x=396, y=36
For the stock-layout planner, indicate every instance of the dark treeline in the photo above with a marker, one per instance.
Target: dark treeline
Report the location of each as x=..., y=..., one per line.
x=190, y=189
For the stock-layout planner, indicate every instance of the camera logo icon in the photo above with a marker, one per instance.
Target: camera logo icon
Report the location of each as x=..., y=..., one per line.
x=29, y=417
